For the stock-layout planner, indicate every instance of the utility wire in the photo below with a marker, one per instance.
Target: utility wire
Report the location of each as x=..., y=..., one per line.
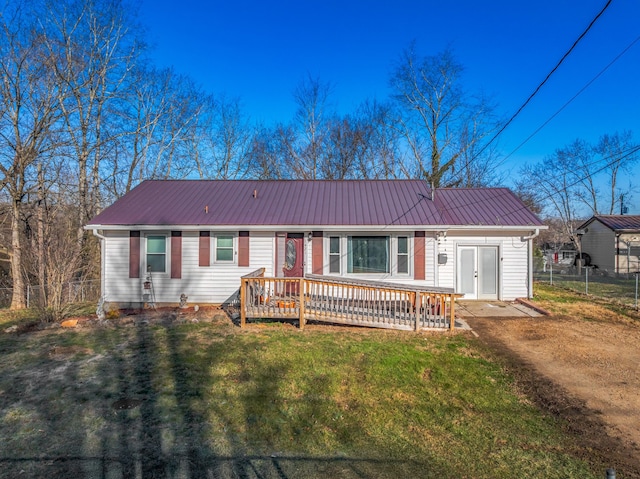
x=628, y=47
x=609, y=161
x=553, y=70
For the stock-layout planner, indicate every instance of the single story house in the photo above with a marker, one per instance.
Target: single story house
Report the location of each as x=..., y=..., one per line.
x=559, y=253
x=612, y=242
x=199, y=237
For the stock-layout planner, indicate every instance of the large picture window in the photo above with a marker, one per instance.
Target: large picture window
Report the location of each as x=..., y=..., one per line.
x=157, y=254
x=368, y=254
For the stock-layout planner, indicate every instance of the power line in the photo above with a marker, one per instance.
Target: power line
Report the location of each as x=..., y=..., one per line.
x=609, y=161
x=587, y=85
x=553, y=70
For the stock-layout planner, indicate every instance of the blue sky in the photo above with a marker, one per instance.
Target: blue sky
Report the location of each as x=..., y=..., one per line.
x=259, y=51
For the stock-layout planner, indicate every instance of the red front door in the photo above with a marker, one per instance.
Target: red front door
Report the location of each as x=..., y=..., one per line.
x=294, y=255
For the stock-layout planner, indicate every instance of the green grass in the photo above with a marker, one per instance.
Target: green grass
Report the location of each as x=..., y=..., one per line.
x=609, y=288
x=270, y=402
x=564, y=301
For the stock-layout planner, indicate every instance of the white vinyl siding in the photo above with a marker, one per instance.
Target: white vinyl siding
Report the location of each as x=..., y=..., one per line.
x=218, y=282
x=513, y=269
x=203, y=285
x=599, y=243
x=430, y=258
x=262, y=252
x=117, y=285
x=512, y=262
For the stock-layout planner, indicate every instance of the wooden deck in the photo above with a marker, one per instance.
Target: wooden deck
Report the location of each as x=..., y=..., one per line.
x=345, y=301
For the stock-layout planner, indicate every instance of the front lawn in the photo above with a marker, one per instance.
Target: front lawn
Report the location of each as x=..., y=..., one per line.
x=570, y=304
x=210, y=400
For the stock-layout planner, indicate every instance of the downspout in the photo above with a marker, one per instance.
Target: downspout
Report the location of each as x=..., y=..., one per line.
x=102, y=239
x=529, y=240
x=617, y=254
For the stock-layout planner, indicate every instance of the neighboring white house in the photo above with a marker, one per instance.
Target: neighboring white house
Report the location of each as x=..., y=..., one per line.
x=198, y=238
x=561, y=254
x=612, y=242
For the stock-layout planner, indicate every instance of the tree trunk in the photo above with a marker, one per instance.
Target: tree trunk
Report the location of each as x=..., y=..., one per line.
x=42, y=272
x=18, y=299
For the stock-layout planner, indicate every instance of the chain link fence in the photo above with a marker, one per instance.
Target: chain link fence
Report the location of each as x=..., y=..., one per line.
x=72, y=292
x=622, y=288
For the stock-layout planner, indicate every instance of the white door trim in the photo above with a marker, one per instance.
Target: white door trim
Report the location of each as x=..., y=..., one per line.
x=472, y=275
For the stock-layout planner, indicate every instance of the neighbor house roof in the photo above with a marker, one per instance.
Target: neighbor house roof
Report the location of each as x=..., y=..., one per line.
x=313, y=203
x=619, y=223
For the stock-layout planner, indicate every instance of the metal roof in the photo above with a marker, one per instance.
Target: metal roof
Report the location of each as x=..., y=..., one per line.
x=313, y=203
x=617, y=222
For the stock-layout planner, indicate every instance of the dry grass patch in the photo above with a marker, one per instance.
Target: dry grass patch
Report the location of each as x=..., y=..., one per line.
x=166, y=399
x=571, y=305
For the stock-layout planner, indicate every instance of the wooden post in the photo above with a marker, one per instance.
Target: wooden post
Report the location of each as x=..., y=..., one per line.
x=452, y=315
x=301, y=289
x=243, y=301
x=418, y=306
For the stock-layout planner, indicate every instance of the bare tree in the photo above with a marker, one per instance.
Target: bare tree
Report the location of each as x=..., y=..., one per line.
x=95, y=48
x=161, y=129
x=143, y=108
x=301, y=143
x=439, y=122
x=380, y=158
x=266, y=153
x=222, y=145
x=52, y=257
x=29, y=111
x=551, y=183
x=617, y=153
x=577, y=158
x=345, y=143
x=569, y=183
x=173, y=155
x=361, y=145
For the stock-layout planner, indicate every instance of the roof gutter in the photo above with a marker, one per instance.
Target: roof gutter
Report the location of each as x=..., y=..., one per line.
x=535, y=234
x=354, y=227
x=96, y=234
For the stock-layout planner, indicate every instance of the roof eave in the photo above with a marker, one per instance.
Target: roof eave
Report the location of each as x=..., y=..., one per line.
x=314, y=227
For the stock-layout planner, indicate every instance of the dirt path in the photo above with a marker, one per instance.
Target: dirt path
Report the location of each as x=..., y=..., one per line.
x=587, y=373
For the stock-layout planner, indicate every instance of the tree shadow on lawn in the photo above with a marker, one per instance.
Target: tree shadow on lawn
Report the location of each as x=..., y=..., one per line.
x=148, y=412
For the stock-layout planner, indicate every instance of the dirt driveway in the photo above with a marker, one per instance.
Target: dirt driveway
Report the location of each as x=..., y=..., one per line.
x=585, y=372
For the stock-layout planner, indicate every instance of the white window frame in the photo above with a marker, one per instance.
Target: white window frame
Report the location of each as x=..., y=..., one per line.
x=396, y=253
x=234, y=248
x=393, y=254
x=167, y=253
x=389, y=252
x=339, y=254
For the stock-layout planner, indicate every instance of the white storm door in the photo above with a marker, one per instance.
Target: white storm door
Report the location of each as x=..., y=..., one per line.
x=487, y=272
x=478, y=272
x=468, y=272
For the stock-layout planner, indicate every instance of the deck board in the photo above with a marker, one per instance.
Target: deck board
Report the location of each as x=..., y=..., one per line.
x=347, y=302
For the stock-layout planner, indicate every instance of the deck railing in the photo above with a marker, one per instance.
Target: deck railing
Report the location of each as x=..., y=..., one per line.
x=346, y=301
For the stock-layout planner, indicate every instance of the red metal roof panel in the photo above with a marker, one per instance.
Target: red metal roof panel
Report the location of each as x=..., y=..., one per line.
x=321, y=202
x=620, y=222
